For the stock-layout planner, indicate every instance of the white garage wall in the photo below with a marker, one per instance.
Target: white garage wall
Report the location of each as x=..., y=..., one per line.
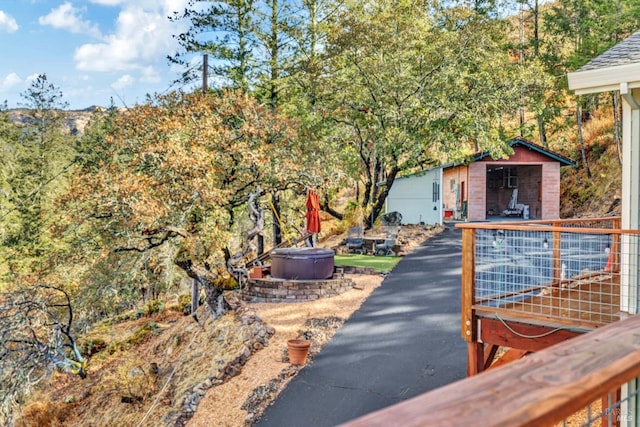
x=413, y=197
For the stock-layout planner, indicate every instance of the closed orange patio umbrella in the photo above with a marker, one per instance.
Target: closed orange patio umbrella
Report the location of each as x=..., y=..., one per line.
x=313, y=212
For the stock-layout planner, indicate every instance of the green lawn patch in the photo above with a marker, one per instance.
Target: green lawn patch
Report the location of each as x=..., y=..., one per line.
x=380, y=263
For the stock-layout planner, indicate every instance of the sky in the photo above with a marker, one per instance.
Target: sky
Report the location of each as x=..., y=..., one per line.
x=92, y=50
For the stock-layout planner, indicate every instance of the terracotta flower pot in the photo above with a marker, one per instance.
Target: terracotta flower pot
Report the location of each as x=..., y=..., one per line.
x=298, y=350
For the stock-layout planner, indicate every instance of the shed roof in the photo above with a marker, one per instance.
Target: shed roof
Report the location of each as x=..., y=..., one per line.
x=618, y=66
x=515, y=142
x=564, y=161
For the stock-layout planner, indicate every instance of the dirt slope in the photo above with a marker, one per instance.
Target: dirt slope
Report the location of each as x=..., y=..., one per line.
x=166, y=369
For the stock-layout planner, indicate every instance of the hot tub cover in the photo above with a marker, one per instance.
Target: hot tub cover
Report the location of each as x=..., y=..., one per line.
x=302, y=263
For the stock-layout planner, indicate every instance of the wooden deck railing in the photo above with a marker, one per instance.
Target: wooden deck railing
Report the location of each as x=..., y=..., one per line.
x=540, y=390
x=553, y=272
x=551, y=279
x=553, y=288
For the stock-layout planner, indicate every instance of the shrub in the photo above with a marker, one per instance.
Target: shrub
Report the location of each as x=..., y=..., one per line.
x=42, y=413
x=153, y=307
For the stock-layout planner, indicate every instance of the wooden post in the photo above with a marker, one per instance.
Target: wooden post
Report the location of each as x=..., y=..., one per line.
x=205, y=73
x=557, y=265
x=468, y=284
x=615, y=247
x=475, y=349
x=475, y=358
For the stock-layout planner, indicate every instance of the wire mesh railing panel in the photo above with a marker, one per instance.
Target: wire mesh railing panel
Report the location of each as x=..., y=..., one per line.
x=613, y=410
x=569, y=276
x=510, y=265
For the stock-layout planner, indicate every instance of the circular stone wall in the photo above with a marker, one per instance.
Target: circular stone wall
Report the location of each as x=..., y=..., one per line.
x=279, y=290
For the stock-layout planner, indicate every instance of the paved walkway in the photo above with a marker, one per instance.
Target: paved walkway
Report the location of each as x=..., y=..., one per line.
x=403, y=341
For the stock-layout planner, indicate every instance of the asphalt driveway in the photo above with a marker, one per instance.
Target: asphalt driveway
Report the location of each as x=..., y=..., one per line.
x=403, y=341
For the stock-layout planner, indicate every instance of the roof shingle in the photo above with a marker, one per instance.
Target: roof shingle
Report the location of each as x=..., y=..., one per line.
x=624, y=53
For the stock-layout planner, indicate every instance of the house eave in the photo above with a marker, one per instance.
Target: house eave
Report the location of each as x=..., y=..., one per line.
x=604, y=79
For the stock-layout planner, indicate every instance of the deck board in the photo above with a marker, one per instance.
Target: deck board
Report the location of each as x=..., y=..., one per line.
x=591, y=300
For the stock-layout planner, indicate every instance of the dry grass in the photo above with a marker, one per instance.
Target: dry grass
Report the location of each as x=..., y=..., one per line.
x=43, y=413
x=124, y=383
x=584, y=196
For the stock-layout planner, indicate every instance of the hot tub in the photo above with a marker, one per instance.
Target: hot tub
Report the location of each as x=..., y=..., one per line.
x=302, y=263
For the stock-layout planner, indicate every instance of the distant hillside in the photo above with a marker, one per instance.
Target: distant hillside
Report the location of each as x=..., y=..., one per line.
x=76, y=120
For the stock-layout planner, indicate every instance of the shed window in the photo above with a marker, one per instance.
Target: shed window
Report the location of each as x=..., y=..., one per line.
x=510, y=178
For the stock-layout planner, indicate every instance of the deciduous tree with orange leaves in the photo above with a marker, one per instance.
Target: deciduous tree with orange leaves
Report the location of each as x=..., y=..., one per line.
x=174, y=171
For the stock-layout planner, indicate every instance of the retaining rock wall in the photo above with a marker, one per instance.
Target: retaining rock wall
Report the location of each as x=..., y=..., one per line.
x=278, y=290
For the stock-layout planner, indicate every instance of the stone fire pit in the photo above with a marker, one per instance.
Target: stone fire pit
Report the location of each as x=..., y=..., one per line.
x=297, y=274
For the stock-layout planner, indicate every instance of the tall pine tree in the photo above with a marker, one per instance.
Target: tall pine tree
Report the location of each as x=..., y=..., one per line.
x=44, y=154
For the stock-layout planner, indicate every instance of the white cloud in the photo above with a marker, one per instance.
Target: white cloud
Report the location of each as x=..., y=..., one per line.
x=10, y=81
x=67, y=17
x=150, y=75
x=8, y=23
x=32, y=78
x=123, y=82
x=146, y=4
x=108, y=2
x=142, y=37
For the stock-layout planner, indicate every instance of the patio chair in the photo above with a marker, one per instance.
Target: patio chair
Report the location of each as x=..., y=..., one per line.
x=514, y=207
x=386, y=248
x=355, y=240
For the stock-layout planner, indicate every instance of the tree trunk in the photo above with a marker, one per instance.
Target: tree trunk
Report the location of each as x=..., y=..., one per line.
x=521, y=63
x=313, y=77
x=376, y=177
x=328, y=209
x=536, y=29
x=542, y=132
x=277, y=231
x=366, y=196
x=274, y=60
x=214, y=296
x=368, y=162
x=376, y=208
x=581, y=138
x=260, y=244
x=617, y=124
x=195, y=296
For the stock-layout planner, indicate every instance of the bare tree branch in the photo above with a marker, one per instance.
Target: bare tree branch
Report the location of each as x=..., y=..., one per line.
x=35, y=330
x=153, y=241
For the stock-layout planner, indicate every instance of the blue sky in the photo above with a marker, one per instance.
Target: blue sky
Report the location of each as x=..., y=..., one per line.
x=93, y=50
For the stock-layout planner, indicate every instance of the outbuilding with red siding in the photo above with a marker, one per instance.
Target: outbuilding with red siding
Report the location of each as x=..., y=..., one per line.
x=526, y=185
